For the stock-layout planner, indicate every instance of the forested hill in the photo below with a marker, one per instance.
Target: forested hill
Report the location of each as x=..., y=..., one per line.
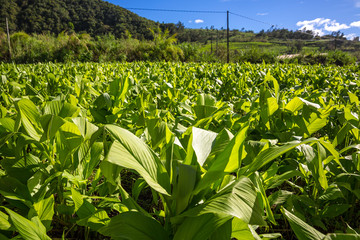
x=95, y=17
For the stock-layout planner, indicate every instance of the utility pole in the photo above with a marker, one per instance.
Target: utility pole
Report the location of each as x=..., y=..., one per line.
x=217, y=40
x=8, y=36
x=228, y=38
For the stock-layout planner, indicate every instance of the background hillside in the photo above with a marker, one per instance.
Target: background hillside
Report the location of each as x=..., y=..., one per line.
x=95, y=17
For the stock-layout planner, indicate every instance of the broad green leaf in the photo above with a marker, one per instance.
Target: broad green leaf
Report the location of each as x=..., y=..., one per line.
x=119, y=88
x=45, y=211
x=111, y=172
x=314, y=157
x=157, y=130
x=258, y=182
x=340, y=136
x=8, y=124
x=332, y=150
x=134, y=226
x=30, y=117
x=200, y=227
x=103, y=101
x=95, y=156
x=279, y=197
x=341, y=236
x=268, y=77
x=296, y=104
x=83, y=208
x=221, y=141
x=138, y=186
x=130, y=203
x=27, y=229
x=240, y=230
x=61, y=109
x=96, y=221
x=206, y=99
x=205, y=106
x=301, y=229
x=3, y=237
x=223, y=232
x=272, y=105
x=331, y=193
x=226, y=162
x=202, y=142
x=335, y=210
x=272, y=153
x=268, y=236
x=238, y=199
x=353, y=98
x=51, y=125
x=185, y=186
x=4, y=222
x=13, y=189
x=130, y=152
x=277, y=180
x=315, y=123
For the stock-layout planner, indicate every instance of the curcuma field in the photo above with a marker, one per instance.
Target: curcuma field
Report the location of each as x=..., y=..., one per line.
x=182, y=151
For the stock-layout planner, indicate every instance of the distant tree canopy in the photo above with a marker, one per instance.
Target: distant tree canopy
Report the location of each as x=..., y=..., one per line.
x=286, y=34
x=98, y=17
x=95, y=17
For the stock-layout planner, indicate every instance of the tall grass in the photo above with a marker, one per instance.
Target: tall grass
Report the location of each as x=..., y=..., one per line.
x=70, y=46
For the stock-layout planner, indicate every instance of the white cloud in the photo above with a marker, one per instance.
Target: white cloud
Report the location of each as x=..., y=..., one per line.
x=313, y=25
x=199, y=21
x=357, y=3
x=262, y=14
x=315, y=22
x=350, y=36
x=190, y=21
x=320, y=25
x=355, y=24
x=334, y=26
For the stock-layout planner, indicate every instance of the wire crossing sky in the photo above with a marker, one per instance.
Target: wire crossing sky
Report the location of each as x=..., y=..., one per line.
x=320, y=16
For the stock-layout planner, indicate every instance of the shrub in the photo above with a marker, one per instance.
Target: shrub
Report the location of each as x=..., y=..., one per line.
x=190, y=52
x=341, y=58
x=256, y=55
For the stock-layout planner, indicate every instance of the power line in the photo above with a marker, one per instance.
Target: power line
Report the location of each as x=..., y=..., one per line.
x=252, y=19
x=273, y=25
x=223, y=12
x=175, y=10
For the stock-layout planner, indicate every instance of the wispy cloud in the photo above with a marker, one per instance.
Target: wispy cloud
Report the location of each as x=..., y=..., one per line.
x=322, y=25
x=199, y=21
x=262, y=14
x=357, y=3
x=333, y=26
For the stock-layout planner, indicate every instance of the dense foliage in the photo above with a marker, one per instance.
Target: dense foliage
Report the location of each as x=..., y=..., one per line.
x=95, y=17
x=179, y=151
x=84, y=48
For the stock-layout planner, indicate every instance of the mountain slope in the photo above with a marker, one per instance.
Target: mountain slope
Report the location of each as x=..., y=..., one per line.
x=54, y=16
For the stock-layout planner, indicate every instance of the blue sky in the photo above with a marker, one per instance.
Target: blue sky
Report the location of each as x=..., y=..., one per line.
x=321, y=16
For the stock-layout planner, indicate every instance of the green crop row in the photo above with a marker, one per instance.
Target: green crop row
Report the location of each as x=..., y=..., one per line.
x=179, y=151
